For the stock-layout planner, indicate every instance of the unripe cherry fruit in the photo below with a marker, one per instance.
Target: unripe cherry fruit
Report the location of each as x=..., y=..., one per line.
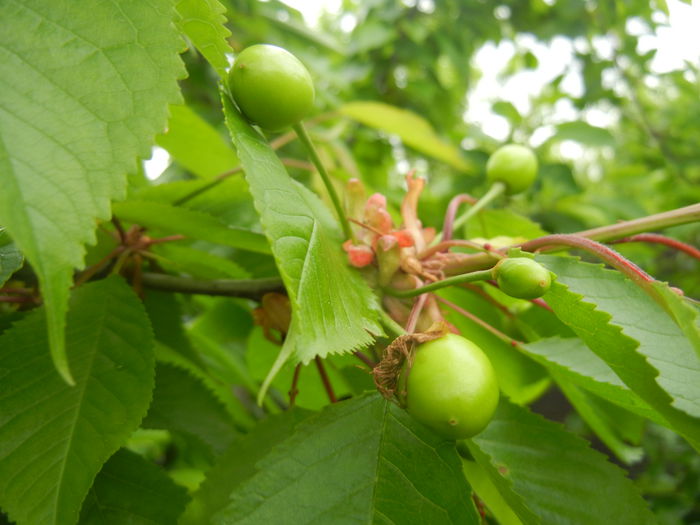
x=451, y=387
x=522, y=278
x=271, y=87
x=513, y=165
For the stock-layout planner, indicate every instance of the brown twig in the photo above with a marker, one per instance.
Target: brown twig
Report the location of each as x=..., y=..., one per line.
x=366, y=360
x=495, y=331
x=325, y=380
x=451, y=213
x=656, y=238
x=294, y=390
x=415, y=313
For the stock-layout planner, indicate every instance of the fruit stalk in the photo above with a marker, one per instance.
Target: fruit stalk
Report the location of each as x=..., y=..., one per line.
x=306, y=141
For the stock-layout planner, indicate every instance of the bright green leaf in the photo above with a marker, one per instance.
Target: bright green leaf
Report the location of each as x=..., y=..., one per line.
x=203, y=22
x=556, y=474
x=11, y=260
x=131, y=490
x=584, y=133
x=196, y=145
x=633, y=335
x=81, y=100
x=359, y=461
x=334, y=310
x=413, y=130
x=190, y=223
x=56, y=437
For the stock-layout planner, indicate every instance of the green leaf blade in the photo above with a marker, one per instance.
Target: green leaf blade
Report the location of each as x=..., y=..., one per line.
x=556, y=474
x=191, y=223
x=131, y=490
x=413, y=130
x=204, y=24
x=334, y=310
x=359, y=461
x=633, y=335
x=79, y=105
x=57, y=437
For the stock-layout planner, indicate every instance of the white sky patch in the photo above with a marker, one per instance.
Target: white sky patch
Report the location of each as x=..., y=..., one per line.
x=157, y=164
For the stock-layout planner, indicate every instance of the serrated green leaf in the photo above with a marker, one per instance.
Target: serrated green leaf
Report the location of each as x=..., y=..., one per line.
x=684, y=314
x=182, y=403
x=556, y=474
x=481, y=482
x=192, y=224
x=11, y=260
x=633, y=335
x=237, y=464
x=203, y=22
x=196, y=145
x=359, y=461
x=413, y=130
x=56, y=437
x=79, y=104
x=131, y=490
x=594, y=412
x=333, y=308
x=571, y=359
x=222, y=391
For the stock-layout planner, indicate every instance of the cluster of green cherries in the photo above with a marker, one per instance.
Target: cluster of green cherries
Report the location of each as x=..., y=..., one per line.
x=451, y=385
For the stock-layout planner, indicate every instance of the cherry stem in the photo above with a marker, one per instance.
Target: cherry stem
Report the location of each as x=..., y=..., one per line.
x=120, y=229
x=294, y=390
x=495, y=331
x=481, y=275
x=451, y=213
x=496, y=189
x=656, y=238
x=603, y=252
x=444, y=245
x=16, y=291
x=16, y=299
x=366, y=360
x=311, y=149
x=325, y=380
x=415, y=313
x=486, y=297
x=92, y=270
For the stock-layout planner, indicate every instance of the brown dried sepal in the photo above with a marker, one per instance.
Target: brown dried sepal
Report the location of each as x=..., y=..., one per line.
x=386, y=373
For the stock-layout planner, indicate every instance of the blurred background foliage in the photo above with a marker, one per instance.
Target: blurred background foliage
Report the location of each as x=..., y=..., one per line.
x=615, y=126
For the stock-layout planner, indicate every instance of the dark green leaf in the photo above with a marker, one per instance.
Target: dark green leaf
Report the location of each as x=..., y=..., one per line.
x=237, y=464
x=359, y=461
x=56, y=437
x=11, y=260
x=181, y=403
x=131, y=490
x=554, y=474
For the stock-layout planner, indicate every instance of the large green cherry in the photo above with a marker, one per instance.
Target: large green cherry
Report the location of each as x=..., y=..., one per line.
x=271, y=87
x=513, y=165
x=451, y=387
x=522, y=278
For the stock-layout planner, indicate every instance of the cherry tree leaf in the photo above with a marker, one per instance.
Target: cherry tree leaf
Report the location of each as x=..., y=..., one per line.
x=634, y=335
x=131, y=490
x=548, y=475
x=56, y=437
x=333, y=308
x=78, y=106
x=203, y=23
x=358, y=461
